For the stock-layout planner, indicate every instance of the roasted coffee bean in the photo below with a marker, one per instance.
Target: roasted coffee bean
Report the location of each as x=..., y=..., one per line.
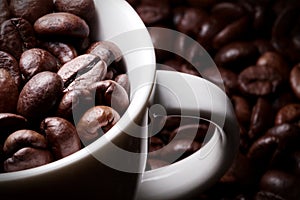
x=10, y=123
x=30, y=10
x=236, y=55
x=61, y=135
x=82, y=71
x=276, y=61
x=63, y=52
x=154, y=12
x=95, y=122
x=123, y=80
x=195, y=132
x=82, y=8
x=85, y=79
x=232, y=32
x=61, y=24
x=285, y=33
x=24, y=138
x=8, y=91
x=110, y=93
x=178, y=149
x=189, y=20
x=280, y=183
x=27, y=158
x=9, y=63
x=288, y=114
x=155, y=144
x=74, y=103
x=107, y=51
x=34, y=61
x=262, y=117
x=262, y=150
x=288, y=135
x=242, y=109
x=227, y=12
x=260, y=80
x=263, y=195
x=295, y=80
x=16, y=36
x=5, y=12
x=40, y=94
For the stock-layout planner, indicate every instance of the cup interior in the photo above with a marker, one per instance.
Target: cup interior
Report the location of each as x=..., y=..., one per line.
x=116, y=21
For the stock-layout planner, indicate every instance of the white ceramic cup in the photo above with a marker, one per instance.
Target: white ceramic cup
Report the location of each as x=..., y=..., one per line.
x=113, y=167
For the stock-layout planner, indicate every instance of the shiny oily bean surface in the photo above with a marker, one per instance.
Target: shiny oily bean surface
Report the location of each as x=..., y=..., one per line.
x=16, y=35
x=24, y=138
x=61, y=24
x=36, y=60
x=9, y=63
x=8, y=103
x=95, y=122
x=40, y=95
x=110, y=93
x=30, y=10
x=27, y=158
x=61, y=136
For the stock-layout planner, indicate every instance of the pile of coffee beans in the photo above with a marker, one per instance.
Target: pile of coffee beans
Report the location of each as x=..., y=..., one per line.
x=256, y=47
x=55, y=77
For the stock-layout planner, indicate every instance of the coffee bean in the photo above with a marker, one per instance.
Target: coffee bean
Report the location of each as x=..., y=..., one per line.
x=83, y=80
x=261, y=118
x=61, y=135
x=10, y=123
x=63, y=52
x=30, y=10
x=27, y=158
x=195, y=132
x=262, y=150
x=231, y=32
x=280, y=183
x=178, y=149
x=154, y=12
x=34, y=61
x=295, y=80
x=83, y=8
x=61, y=24
x=40, y=94
x=260, y=80
x=110, y=93
x=242, y=109
x=155, y=144
x=227, y=12
x=74, y=103
x=9, y=63
x=16, y=35
x=276, y=61
x=8, y=103
x=5, y=12
x=123, y=80
x=288, y=114
x=288, y=135
x=24, y=138
x=189, y=20
x=285, y=33
x=95, y=122
x=107, y=51
x=82, y=71
x=236, y=55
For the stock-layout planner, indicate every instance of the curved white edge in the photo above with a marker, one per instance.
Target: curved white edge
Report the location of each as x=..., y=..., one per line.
x=207, y=165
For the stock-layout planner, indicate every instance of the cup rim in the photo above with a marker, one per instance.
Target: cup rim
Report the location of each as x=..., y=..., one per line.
x=138, y=98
